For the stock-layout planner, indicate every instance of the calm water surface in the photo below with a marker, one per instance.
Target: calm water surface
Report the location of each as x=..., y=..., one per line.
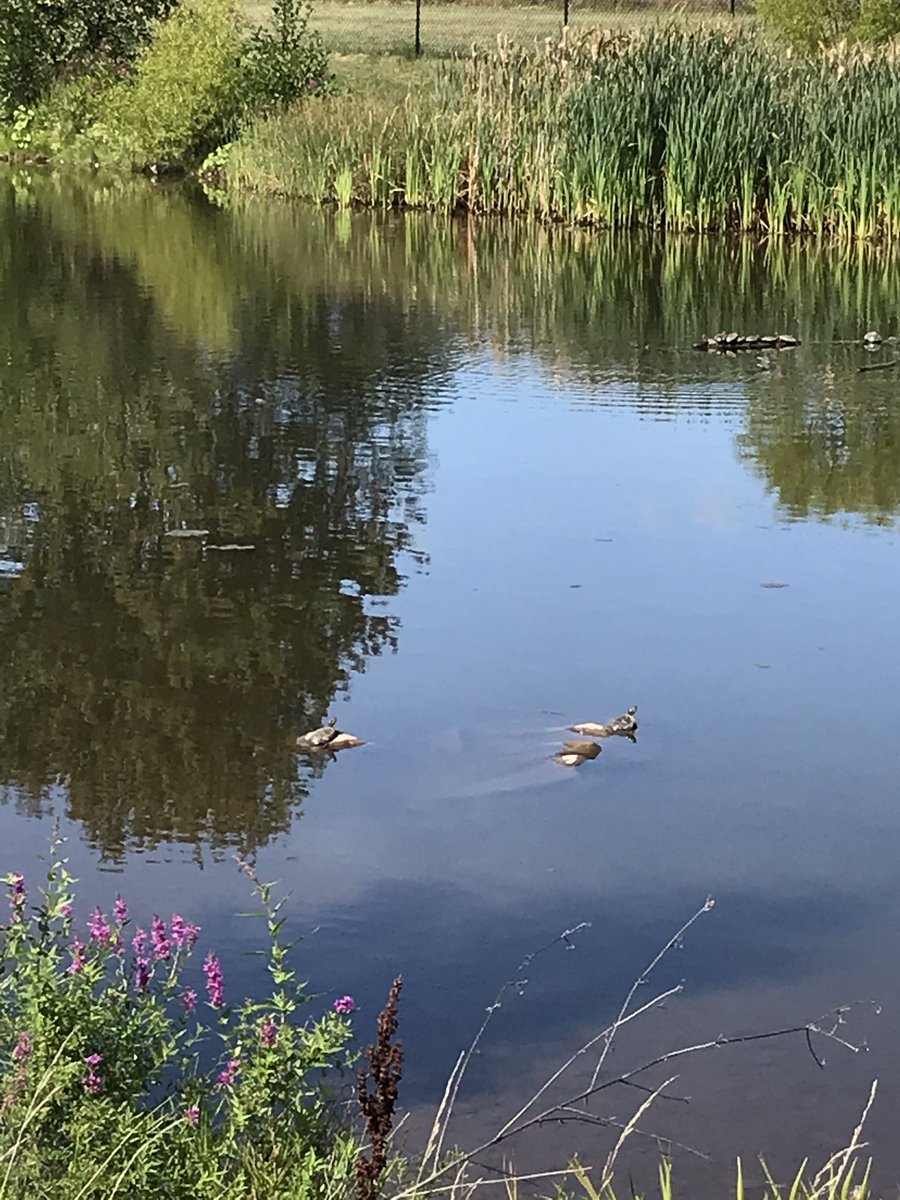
x=490, y=490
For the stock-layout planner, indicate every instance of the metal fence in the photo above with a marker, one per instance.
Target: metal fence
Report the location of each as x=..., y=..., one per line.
x=416, y=27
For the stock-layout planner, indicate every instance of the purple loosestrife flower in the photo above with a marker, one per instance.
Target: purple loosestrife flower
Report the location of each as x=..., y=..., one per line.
x=79, y=962
x=16, y=895
x=226, y=1077
x=189, y=1000
x=23, y=1047
x=212, y=969
x=98, y=927
x=120, y=908
x=65, y=911
x=93, y=1081
x=268, y=1034
x=139, y=941
x=184, y=933
x=192, y=1114
x=345, y=1006
x=142, y=974
x=162, y=951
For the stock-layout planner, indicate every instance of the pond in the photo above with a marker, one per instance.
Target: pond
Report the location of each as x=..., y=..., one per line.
x=484, y=488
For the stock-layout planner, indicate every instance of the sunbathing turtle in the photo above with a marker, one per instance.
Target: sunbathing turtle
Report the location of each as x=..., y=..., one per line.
x=624, y=726
x=328, y=740
x=318, y=739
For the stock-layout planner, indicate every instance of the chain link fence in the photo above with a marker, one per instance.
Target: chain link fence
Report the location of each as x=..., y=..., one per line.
x=416, y=27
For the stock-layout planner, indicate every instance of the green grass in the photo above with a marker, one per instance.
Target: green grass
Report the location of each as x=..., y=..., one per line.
x=389, y=28
x=684, y=130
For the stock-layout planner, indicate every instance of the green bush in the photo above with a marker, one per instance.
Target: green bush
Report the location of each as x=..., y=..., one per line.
x=879, y=20
x=811, y=23
x=118, y=1078
x=285, y=62
x=185, y=95
x=42, y=41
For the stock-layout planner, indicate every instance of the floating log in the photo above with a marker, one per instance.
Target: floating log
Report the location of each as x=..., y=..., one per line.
x=881, y=366
x=723, y=342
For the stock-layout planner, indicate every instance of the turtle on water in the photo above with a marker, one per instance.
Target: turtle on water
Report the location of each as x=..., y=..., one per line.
x=625, y=726
x=328, y=738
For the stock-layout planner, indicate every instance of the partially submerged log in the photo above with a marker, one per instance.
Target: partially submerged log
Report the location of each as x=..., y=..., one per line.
x=752, y=341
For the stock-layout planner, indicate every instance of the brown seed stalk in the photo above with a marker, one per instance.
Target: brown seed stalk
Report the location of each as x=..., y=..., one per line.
x=377, y=1104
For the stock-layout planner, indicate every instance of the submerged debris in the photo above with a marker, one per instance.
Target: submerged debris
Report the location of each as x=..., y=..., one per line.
x=724, y=342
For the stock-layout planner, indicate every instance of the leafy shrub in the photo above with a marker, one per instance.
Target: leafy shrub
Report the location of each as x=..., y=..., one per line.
x=810, y=23
x=286, y=62
x=113, y=1083
x=184, y=96
x=42, y=41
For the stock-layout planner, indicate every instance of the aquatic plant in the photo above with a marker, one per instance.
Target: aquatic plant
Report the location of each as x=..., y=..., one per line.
x=684, y=130
x=118, y=1079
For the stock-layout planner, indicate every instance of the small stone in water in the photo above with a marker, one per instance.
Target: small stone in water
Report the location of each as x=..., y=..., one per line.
x=773, y=585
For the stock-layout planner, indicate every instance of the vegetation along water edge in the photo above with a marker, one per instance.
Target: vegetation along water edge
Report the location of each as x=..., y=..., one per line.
x=792, y=125
x=129, y=1071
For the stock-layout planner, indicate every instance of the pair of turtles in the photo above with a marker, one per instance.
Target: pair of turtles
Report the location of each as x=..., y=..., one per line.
x=575, y=751
x=328, y=739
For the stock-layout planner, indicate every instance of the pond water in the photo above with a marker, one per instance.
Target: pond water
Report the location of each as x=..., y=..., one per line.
x=490, y=490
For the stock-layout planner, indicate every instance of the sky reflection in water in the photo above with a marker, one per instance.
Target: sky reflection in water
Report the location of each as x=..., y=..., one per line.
x=492, y=491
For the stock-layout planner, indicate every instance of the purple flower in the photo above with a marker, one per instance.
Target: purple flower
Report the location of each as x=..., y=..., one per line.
x=16, y=895
x=142, y=974
x=189, y=1000
x=345, y=1006
x=92, y=1081
x=120, y=908
x=98, y=927
x=184, y=933
x=226, y=1077
x=268, y=1033
x=65, y=911
x=79, y=962
x=212, y=969
x=192, y=1114
x=22, y=1048
x=139, y=941
x=162, y=951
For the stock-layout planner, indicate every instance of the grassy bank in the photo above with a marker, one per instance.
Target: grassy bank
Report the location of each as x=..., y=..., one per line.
x=353, y=26
x=683, y=130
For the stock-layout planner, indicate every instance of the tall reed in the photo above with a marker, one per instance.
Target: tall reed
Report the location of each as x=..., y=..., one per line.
x=699, y=130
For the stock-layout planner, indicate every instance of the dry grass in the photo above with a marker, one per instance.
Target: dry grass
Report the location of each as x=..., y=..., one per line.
x=354, y=27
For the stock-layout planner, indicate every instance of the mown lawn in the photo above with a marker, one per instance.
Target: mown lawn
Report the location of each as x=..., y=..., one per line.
x=350, y=27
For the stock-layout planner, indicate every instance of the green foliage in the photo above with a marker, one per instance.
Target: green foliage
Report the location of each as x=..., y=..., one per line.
x=184, y=96
x=187, y=92
x=286, y=61
x=879, y=20
x=106, y=1087
x=42, y=41
x=688, y=131
x=811, y=23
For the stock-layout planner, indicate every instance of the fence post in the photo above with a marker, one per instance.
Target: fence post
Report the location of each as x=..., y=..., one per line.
x=419, y=26
x=566, y=11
